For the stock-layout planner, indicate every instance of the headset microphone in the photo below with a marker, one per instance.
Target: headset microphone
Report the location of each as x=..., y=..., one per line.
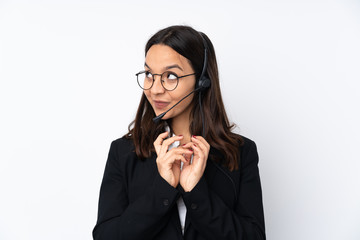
x=159, y=117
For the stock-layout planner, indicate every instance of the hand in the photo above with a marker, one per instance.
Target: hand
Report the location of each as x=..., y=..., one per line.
x=168, y=162
x=191, y=173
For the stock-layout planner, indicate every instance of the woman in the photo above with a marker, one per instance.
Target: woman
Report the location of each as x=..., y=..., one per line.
x=186, y=176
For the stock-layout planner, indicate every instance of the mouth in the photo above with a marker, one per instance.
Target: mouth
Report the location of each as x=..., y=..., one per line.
x=160, y=104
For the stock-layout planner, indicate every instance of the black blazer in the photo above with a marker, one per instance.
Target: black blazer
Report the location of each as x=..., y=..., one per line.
x=137, y=203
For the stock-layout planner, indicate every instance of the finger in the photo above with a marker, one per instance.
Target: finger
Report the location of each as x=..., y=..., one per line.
x=187, y=145
x=203, y=140
x=181, y=150
x=158, y=142
x=160, y=138
x=166, y=143
x=178, y=155
x=189, y=151
x=200, y=139
x=188, y=157
x=171, y=156
x=178, y=150
x=171, y=140
x=186, y=164
x=177, y=163
x=199, y=161
x=198, y=155
x=196, y=140
x=170, y=162
x=197, y=150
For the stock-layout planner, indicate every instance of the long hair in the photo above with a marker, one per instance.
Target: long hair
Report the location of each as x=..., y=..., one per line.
x=143, y=131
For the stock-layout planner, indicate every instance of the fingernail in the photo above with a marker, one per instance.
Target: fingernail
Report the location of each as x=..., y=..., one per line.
x=191, y=150
x=193, y=136
x=183, y=144
x=180, y=135
x=195, y=145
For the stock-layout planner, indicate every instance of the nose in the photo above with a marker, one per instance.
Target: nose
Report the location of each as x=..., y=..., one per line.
x=157, y=87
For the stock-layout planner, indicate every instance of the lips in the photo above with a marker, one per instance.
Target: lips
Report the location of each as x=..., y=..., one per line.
x=160, y=104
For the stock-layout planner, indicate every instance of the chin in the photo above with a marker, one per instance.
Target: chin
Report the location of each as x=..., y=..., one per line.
x=157, y=113
x=160, y=111
x=167, y=116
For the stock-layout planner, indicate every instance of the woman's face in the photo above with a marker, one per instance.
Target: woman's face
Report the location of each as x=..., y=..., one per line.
x=161, y=58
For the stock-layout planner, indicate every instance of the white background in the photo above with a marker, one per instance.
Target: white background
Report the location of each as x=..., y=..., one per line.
x=290, y=80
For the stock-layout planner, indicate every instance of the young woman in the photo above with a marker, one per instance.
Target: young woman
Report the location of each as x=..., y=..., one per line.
x=186, y=176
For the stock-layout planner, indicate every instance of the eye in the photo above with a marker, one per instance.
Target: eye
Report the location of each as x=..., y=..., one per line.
x=171, y=76
x=148, y=74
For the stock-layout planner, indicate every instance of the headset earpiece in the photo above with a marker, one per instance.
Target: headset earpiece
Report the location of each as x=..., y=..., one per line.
x=204, y=82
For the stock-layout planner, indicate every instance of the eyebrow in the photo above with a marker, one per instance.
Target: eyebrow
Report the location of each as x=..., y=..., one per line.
x=168, y=67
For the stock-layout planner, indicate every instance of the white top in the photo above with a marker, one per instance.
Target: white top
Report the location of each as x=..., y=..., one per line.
x=182, y=213
x=180, y=202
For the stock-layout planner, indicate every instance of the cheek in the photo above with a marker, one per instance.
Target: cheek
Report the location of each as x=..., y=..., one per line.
x=184, y=103
x=182, y=93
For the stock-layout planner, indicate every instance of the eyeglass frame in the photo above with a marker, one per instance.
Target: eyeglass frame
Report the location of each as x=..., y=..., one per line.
x=161, y=81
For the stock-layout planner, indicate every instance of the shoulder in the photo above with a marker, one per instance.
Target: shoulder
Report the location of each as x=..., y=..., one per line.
x=121, y=149
x=248, y=151
x=246, y=144
x=123, y=144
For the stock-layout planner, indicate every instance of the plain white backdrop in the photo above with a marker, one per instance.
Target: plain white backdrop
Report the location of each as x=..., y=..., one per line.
x=289, y=70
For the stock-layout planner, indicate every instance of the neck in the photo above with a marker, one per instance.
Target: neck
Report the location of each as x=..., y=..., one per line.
x=181, y=126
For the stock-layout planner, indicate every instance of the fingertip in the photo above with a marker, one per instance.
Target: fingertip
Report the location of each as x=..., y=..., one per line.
x=194, y=148
x=194, y=138
x=164, y=134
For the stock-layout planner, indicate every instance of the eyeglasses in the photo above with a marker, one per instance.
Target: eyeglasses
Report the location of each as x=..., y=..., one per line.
x=169, y=80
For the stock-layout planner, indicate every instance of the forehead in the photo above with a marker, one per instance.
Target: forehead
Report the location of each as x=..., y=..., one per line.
x=160, y=57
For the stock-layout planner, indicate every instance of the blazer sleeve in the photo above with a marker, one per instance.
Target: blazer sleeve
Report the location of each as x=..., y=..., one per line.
x=117, y=217
x=215, y=220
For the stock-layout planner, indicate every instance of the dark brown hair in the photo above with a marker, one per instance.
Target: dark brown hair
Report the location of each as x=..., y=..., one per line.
x=143, y=131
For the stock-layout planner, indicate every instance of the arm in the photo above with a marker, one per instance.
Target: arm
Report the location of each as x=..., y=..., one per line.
x=212, y=218
x=120, y=219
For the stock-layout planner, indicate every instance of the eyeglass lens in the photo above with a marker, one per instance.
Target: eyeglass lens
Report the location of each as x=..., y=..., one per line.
x=168, y=80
